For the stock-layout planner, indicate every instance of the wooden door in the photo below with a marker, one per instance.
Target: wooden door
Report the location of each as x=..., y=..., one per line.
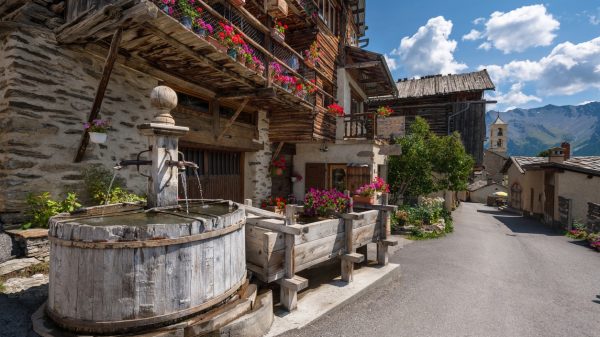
x=316, y=176
x=220, y=173
x=358, y=176
x=337, y=177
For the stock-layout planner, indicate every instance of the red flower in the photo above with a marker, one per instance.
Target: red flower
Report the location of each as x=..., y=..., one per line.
x=335, y=109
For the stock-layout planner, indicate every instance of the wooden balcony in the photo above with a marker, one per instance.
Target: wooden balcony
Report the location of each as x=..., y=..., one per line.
x=360, y=126
x=155, y=40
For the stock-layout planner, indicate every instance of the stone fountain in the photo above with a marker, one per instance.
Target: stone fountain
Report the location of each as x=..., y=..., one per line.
x=129, y=267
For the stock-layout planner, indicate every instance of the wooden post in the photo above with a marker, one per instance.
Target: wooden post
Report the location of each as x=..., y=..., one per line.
x=291, y=284
x=382, y=247
x=106, y=71
x=290, y=215
x=351, y=206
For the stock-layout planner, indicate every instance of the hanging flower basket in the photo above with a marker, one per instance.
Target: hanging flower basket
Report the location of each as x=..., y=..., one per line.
x=278, y=171
x=97, y=130
x=98, y=137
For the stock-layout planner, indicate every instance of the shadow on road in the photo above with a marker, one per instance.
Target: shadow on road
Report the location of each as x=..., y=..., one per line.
x=520, y=224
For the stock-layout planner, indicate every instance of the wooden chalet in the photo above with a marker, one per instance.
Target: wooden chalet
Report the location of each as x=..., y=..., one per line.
x=449, y=103
x=77, y=60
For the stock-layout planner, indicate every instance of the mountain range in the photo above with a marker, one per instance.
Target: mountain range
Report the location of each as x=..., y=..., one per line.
x=531, y=131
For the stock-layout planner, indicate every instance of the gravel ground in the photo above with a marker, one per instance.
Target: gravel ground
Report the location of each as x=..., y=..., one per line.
x=497, y=275
x=16, y=310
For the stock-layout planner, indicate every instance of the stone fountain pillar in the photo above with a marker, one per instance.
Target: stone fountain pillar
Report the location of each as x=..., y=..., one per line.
x=163, y=136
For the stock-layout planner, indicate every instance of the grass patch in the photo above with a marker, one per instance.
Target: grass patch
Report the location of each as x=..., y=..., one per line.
x=39, y=268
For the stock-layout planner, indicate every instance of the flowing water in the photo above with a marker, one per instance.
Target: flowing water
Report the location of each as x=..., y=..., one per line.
x=112, y=180
x=199, y=186
x=185, y=192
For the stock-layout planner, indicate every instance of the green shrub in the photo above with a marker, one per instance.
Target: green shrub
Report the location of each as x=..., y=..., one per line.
x=97, y=180
x=42, y=207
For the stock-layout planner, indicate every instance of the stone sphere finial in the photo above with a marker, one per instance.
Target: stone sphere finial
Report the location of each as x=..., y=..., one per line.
x=164, y=99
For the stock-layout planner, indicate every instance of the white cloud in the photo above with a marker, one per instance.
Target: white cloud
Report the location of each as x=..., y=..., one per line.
x=478, y=21
x=472, y=35
x=518, y=30
x=568, y=69
x=391, y=62
x=485, y=46
x=594, y=20
x=516, y=97
x=429, y=50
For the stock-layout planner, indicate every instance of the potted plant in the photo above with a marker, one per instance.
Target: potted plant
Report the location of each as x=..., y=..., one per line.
x=229, y=39
x=299, y=89
x=384, y=111
x=275, y=70
x=189, y=12
x=202, y=28
x=238, y=3
x=312, y=55
x=365, y=194
x=97, y=130
x=296, y=177
x=167, y=6
x=276, y=205
x=335, y=109
x=278, y=32
x=260, y=67
x=278, y=166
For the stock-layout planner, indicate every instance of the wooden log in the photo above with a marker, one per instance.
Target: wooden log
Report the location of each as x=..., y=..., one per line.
x=278, y=226
x=289, y=294
x=107, y=70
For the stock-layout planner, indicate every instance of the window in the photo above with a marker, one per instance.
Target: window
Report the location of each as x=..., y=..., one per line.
x=499, y=143
x=499, y=131
x=328, y=13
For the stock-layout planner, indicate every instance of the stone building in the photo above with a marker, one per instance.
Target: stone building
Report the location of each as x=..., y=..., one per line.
x=558, y=189
x=66, y=62
x=495, y=156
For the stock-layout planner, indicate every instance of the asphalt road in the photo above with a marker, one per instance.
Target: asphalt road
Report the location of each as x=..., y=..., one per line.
x=498, y=274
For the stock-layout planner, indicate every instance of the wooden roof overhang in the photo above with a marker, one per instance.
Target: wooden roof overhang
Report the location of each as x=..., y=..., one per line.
x=371, y=72
x=159, y=45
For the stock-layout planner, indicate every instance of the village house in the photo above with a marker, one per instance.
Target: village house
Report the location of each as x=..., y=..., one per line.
x=448, y=102
x=65, y=63
x=558, y=189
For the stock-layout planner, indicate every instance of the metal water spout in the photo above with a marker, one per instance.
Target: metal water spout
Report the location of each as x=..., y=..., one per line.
x=163, y=136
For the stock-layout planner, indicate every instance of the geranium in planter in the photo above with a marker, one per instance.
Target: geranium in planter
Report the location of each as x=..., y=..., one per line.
x=275, y=70
x=366, y=193
x=97, y=130
x=203, y=28
x=278, y=166
x=278, y=32
x=228, y=38
x=324, y=202
x=296, y=177
x=335, y=109
x=276, y=205
x=384, y=111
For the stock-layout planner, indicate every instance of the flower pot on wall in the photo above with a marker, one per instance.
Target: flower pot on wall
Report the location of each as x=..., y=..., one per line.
x=278, y=171
x=232, y=53
x=359, y=199
x=277, y=35
x=98, y=137
x=200, y=31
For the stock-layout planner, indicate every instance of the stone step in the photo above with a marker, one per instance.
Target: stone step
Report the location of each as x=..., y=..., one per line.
x=16, y=265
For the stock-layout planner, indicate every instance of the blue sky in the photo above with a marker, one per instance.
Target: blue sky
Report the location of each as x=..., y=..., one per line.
x=537, y=53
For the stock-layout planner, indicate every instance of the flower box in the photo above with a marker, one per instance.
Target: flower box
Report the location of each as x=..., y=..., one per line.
x=277, y=35
x=277, y=8
x=359, y=199
x=275, y=209
x=98, y=137
x=217, y=44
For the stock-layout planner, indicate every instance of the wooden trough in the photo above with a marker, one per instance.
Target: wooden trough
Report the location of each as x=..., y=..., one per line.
x=127, y=277
x=277, y=248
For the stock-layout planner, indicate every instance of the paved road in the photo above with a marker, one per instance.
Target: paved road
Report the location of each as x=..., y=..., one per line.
x=497, y=275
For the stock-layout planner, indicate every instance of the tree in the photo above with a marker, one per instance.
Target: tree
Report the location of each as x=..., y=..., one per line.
x=428, y=163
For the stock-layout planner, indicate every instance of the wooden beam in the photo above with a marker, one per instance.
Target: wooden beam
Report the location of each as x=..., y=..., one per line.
x=233, y=118
x=277, y=150
x=361, y=65
x=260, y=93
x=108, y=67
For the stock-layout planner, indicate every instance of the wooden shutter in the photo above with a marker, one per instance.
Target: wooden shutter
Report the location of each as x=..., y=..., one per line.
x=357, y=176
x=316, y=176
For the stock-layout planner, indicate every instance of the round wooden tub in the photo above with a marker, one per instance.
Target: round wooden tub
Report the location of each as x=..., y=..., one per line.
x=133, y=270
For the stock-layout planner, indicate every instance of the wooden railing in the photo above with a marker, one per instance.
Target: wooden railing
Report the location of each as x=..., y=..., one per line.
x=360, y=126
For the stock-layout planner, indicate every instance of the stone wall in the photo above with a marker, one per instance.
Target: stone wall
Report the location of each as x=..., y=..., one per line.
x=593, y=217
x=257, y=175
x=563, y=211
x=47, y=92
